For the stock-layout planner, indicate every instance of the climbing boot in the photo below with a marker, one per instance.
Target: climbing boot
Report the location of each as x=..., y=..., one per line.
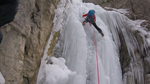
x=84, y=23
x=102, y=34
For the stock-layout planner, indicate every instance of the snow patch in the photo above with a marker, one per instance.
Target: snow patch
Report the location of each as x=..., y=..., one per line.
x=2, y=80
x=55, y=73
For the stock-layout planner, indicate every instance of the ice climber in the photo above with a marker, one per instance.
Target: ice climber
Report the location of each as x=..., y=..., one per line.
x=92, y=19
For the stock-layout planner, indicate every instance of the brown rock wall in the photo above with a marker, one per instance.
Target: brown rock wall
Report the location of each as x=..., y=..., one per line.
x=25, y=39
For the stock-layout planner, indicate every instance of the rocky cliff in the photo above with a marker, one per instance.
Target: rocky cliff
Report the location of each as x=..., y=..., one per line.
x=135, y=67
x=25, y=39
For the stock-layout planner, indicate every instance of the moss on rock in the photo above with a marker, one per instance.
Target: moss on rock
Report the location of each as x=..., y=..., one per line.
x=53, y=43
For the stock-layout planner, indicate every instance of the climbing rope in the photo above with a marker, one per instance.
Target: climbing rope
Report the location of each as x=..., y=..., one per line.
x=96, y=56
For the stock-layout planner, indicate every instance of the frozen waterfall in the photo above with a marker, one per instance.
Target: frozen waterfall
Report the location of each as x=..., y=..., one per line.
x=76, y=62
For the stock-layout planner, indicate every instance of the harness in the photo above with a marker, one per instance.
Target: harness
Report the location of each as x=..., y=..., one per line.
x=90, y=19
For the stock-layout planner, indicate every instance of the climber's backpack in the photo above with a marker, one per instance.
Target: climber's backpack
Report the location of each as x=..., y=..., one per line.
x=91, y=13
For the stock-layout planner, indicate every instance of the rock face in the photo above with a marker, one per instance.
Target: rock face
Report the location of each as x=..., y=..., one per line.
x=135, y=66
x=25, y=39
